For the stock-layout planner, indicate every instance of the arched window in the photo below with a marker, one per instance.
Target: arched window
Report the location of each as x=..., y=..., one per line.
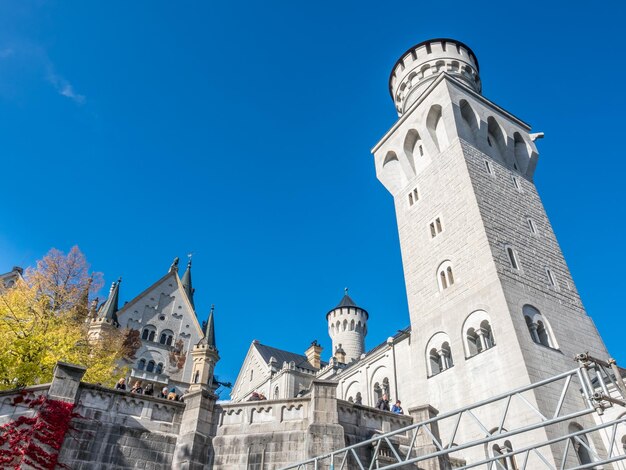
x=538, y=327
x=393, y=173
x=445, y=277
x=522, y=155
x=166, y=338
x=469, y=118
x=580, y=443
x=505, y=460
x=148, y=333
x=478, y=333
x=352, y=325
x=276, y=393
x=624, y=444
x=496, y=139
x=196, y=377
x=251, y=375
x=473, y=342
x=150, y=367
x=435, y=362
x=159, y=368
x=438, y=354
x=413, y=147
x=141, y=365
x=436, y=127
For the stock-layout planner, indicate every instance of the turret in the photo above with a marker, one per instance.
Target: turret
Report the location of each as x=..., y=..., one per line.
x=106, y=318
x=347, y=327
x=205, y=357
x=423, y=63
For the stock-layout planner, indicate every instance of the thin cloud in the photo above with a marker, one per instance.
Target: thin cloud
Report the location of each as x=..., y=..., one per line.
x=64, y=87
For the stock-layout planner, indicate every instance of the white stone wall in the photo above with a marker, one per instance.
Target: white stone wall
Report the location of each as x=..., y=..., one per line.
x=480, y=214
x=164, y=307
x=347, y=327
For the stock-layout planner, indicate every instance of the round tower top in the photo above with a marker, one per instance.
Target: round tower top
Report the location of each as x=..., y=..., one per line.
x=347, y=302
x=421, y=64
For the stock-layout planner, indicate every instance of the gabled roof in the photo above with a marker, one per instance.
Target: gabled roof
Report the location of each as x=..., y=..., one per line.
x=281, y=356
x=171, y=274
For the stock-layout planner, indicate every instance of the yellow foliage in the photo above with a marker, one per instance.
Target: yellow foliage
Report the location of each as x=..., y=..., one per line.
x=43, y=320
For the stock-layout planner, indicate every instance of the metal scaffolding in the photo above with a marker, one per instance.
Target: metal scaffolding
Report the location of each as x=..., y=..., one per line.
x=598, y=383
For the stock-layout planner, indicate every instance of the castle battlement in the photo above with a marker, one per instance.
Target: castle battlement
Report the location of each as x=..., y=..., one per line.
x=422, y=63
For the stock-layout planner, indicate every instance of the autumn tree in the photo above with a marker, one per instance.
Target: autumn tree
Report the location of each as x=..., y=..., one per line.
x=44, y=319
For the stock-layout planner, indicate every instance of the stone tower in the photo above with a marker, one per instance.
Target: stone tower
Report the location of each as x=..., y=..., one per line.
x=492, y=303
x=106, y=320
x=347, y=327
x=205, y=357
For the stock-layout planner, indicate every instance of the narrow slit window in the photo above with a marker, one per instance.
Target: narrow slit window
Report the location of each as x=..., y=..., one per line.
x=531, y=227
x=433, y=233
x=410, y=199
x=421, y=150
x=516, y=183
x=551, y=278
x=415, y=195
x=438, y=224
x=488, y=167
x=512, y=258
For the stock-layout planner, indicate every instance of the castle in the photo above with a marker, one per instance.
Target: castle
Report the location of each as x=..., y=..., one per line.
x=492, y=307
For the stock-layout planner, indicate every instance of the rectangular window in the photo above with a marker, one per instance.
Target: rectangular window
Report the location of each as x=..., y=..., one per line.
x=435, y=227
x=488, y=167
x=413, y=197
x=531, y=226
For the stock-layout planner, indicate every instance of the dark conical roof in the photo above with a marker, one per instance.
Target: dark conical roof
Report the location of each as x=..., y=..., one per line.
x=109, y=309
x=209, y=330
x=347, y=302
x=186, y=282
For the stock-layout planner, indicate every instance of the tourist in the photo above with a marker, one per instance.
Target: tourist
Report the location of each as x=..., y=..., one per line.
x=172, y=394
x=163, y=393
x=121, y=384
x=149, y=390
x=397, y=408
x=137, y=388
x=254, y=397
x=383, y=403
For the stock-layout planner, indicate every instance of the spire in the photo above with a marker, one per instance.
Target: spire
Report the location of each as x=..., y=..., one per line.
x=186, y=282
x=109, y=309
x=209, y=330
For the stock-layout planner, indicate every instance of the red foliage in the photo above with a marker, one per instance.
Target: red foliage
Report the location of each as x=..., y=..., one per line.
x=36, y=440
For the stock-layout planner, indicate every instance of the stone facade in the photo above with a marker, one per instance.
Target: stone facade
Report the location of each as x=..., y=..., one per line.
x=120, y=430
x=491, y=301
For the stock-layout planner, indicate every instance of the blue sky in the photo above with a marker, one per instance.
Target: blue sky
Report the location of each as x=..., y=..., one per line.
x=241, y=131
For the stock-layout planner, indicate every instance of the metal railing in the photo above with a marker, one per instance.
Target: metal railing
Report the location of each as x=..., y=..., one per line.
x=401, y=448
